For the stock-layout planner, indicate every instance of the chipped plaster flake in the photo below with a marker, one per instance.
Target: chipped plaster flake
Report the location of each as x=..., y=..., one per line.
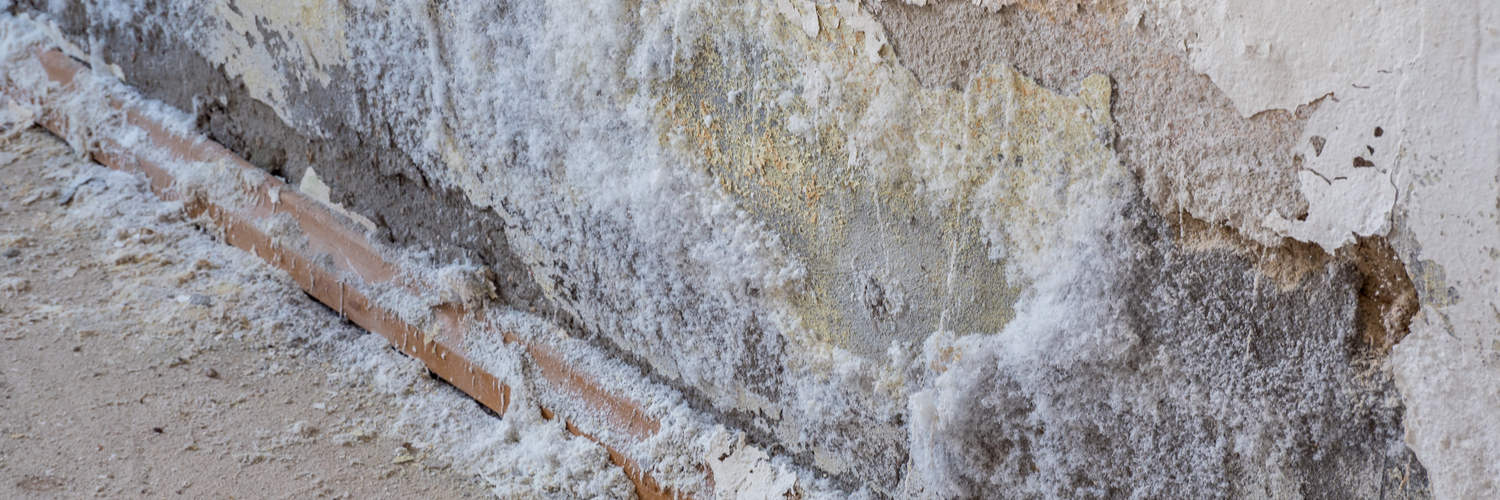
x=1340, y=208
x=743, y=472
x=265, y=42
x=1282, y=54
x=860, y=21
x=312, y=186
x=1349, y=147
x=805, y=14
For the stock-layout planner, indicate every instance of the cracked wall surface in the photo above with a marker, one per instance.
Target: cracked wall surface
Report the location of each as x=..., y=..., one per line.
x=990, y=249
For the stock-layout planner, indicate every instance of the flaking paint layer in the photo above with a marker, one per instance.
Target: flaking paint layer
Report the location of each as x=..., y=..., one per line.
x=274, y=44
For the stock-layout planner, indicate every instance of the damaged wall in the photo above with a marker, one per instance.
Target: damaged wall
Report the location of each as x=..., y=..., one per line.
x=1053, y=249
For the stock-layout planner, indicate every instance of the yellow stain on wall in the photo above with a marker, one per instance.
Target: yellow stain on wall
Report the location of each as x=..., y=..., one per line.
x=905, y=204
x=905, y=216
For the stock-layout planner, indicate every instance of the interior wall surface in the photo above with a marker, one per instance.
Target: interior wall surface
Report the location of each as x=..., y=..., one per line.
x=946, y=249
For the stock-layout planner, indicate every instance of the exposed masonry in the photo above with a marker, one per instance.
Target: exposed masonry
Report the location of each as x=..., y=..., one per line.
x=1211, y=172
x=1176, y=132
x=408, y=209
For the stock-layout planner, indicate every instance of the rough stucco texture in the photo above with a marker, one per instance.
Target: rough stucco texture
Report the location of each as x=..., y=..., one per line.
x=1057, y=250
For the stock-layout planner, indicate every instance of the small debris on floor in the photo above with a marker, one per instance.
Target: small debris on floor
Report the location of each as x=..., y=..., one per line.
x=88, y=399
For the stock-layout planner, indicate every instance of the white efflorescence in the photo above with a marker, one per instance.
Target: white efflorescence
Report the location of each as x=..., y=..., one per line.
x=1403, y=143
x=523, y=455
x=562, y=117
x=690, y=276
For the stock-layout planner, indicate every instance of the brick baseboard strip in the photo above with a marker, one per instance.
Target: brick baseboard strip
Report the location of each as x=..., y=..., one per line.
x=329, y=232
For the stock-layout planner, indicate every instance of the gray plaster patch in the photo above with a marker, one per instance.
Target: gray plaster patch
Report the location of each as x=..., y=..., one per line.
x=1166, y=135
x=1176, y=130
x=1223, y=386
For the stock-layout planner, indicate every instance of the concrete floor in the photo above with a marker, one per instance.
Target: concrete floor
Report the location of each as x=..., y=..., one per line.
x=136, y=361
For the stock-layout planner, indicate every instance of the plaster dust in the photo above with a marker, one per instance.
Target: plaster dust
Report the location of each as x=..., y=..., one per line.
x=147, y=359
x=157, y=361
x=743, y=472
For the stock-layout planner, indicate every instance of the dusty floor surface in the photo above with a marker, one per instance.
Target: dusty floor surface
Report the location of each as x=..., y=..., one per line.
x=139, y=358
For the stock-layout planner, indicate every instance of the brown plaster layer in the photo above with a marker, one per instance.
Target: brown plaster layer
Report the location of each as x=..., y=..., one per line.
x=1387, y=297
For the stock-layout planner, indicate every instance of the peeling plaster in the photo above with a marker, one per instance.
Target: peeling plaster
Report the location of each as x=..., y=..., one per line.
x=1281, y=54
x=1425, y=73
x=1448, y=369
x=1340, y=208
x=268, y=43
x=1348, y=152
x=744, y=472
